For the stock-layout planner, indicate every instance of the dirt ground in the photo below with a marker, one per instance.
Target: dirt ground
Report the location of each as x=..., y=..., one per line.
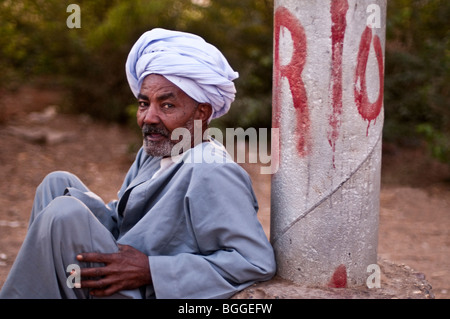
x=35, y=139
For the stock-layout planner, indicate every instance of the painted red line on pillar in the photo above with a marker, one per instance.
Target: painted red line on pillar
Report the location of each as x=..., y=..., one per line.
x=338, y=12
x=293, y=73
x=339, y=278
x=368, y=111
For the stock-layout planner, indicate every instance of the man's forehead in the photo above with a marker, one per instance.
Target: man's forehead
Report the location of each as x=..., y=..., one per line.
x=158, y=95
x=159, y=87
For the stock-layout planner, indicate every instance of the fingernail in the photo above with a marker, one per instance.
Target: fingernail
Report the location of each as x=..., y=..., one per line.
x=77, y=285
x=79, y=257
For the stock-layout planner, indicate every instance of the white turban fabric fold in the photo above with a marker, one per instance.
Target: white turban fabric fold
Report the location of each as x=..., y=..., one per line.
x=195, y=66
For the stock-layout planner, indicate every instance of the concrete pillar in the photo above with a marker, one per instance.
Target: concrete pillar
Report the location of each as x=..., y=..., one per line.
x=328, y=108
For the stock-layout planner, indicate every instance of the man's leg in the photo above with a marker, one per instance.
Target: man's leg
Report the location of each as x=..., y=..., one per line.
x=63, y=229
x=52, y=186
x=62, y=183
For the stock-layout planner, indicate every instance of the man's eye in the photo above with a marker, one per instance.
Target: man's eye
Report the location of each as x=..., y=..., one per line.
x=142, y=104
x=167, y=106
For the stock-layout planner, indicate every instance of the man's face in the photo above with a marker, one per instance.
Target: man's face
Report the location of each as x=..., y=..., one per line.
x=162, y=108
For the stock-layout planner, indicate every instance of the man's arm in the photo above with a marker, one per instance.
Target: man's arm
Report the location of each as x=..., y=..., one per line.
x=233, y=250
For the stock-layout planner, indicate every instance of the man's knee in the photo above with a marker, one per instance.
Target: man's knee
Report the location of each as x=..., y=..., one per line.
x=71, y=224
x=58, y=177
x=55, y=184
x=66, y=209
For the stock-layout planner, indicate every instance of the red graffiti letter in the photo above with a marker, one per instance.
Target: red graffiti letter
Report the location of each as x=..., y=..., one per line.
x=369, y=111
x=293, y=73
x=338, y=10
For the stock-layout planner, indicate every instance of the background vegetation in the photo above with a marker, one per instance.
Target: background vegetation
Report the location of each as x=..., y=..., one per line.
x=88, y=63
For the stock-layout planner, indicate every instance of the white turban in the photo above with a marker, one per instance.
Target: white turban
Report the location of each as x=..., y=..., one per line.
x=195, y=66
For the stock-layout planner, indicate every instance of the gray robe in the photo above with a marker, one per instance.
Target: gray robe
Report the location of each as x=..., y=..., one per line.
x=196, y=221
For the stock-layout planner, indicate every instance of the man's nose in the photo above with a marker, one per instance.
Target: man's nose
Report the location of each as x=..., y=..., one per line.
x=152, y=115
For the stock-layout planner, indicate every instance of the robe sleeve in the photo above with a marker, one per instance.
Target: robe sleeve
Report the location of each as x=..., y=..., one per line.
x=234, y=251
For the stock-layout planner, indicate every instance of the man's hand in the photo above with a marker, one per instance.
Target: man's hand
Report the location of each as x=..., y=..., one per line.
x=127, y=269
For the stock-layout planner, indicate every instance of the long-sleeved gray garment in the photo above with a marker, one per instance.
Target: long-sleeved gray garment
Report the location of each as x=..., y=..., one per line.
x=196, y=221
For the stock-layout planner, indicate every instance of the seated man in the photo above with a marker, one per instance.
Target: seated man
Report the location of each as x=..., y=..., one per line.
x=185, y=223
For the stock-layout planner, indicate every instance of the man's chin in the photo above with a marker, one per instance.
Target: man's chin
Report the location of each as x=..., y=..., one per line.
x=157, y=149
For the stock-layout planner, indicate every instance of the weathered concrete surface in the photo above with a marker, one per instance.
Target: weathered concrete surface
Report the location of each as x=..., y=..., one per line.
x=328, y=107
x=397, y=282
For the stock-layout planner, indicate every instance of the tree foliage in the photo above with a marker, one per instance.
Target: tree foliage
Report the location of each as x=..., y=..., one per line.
x=89, y=62
x=35, y=40
x=417, y=100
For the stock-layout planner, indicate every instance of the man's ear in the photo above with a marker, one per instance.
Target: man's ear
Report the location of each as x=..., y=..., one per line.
x=204, y=111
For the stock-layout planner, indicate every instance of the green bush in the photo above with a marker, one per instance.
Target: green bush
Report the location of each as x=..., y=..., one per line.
x=417, y=101
x=89, y=62
x=34, y=40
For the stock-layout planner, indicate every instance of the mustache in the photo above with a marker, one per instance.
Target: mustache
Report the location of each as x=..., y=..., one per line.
x=155, y=129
